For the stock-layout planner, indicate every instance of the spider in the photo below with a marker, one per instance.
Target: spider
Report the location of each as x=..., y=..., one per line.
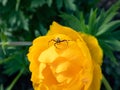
x=58, y=41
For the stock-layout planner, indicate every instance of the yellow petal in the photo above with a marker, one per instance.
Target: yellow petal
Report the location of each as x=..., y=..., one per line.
x=97, y=54
x=39, y=45
x=97, y=77
x=49, y=55
x=62, y=78
x=49, y=78
x=57, y=28
x=62, y=67
x=94, y=47
x=42, y=66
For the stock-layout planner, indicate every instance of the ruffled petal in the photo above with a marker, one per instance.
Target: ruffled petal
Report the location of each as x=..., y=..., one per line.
x=97, y=54
x=97, y=77
x=94, y=47
x=59, y=29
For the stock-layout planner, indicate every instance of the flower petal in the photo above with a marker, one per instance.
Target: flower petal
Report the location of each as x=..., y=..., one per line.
x=94, y=47
x=97, y=54
x=39, y=45
x=97, y=77
x=49, y=55
x=57, y=28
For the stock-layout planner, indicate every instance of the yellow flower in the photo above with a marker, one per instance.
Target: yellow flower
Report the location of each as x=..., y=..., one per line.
x=65, y=60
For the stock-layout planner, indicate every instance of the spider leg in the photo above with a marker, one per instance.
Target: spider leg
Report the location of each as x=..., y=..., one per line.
x=65, y=41
x=51, y=41
x=55, y=44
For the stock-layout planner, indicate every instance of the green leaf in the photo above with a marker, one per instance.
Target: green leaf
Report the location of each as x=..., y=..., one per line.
x=92, y=21
x=17, y=5
x=4, y=2
x=116, y=34
x=3, y=39
x=49, y=2
x=70, y=5
x=108, y=27
x=2, y=35
x=103, y=23
x=59, y=4
x=111, y=12
x=108, y=52
x=114, y=44
x=42, y=29
x=14, y=63
x=1, y=87
x=23, y=21
x=13, y=18
x=6, y=60
x=83, y=26
x=37, y=3
x=77, y=24
x=99, y=21
x=71, y=21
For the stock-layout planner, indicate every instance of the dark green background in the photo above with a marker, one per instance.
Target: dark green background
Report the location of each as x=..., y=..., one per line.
x=24, y=20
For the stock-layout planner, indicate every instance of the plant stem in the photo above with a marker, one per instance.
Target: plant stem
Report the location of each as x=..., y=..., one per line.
x=106, y=83
x=15, y=80
x=15, y=43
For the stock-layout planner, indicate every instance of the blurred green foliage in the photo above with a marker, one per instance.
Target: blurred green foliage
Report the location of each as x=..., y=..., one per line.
x=24, y=20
